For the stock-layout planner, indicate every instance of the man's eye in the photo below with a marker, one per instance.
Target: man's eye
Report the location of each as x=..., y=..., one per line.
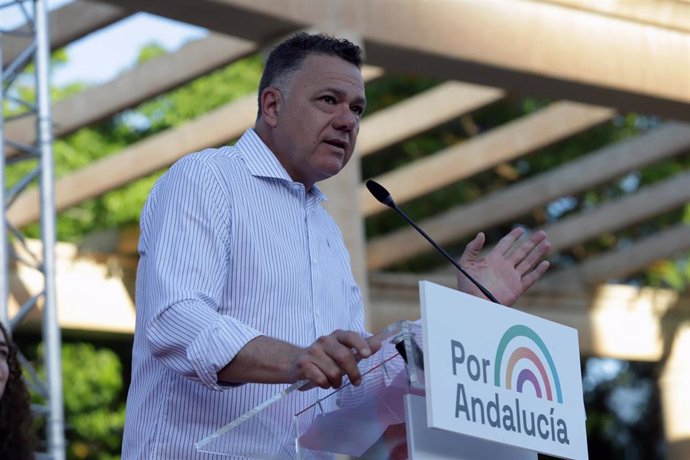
x=358, y=110
x=328, y=99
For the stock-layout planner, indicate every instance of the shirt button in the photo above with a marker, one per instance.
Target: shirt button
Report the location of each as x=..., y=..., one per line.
x=313, y=261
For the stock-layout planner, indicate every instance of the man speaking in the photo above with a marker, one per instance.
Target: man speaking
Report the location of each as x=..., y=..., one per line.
x=244, y=283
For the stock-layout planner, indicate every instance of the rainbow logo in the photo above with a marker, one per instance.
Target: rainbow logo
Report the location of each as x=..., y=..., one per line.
x=526, y=374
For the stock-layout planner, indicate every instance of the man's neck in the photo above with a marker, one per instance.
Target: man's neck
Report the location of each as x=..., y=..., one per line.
x=265, y=135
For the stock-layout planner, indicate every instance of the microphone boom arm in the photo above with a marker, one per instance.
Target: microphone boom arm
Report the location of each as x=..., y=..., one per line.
x=382, y=195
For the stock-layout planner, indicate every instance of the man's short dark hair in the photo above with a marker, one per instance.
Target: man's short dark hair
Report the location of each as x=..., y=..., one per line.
x=289, y=55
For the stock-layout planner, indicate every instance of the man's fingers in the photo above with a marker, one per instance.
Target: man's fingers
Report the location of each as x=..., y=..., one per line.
x=535, y=254
x=318, y=367
x=472, y=249
x=477, y=243
x=329, y=358
x=343, y=356
x=532, y=277
x=337, y=358
x=507, y=241
x=521, y=253
x=354, y=340
x=374, y=345
x=524, y=249
x=537, y=237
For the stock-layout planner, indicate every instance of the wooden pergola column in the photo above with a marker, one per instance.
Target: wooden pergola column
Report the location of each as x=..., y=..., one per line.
x=674, y=386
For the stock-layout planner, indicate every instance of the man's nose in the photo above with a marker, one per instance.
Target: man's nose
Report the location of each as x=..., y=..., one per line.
x=346, y=120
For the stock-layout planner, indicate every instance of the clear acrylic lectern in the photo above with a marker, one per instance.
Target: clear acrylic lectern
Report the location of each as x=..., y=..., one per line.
x=384, y=418
x=329, y=421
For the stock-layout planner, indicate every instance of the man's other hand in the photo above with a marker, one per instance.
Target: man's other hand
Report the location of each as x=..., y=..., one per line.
x=330, y=357
x=509, y=269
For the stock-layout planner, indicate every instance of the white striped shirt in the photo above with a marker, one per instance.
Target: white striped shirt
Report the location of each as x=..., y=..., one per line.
x=230, y=248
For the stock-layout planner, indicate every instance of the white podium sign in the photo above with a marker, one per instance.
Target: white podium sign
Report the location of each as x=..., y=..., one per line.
x=500, y=374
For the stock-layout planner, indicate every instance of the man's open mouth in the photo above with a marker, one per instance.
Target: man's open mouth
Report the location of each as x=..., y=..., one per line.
x=337, y=143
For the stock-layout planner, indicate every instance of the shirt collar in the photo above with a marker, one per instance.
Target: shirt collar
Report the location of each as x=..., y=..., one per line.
x=262, y=162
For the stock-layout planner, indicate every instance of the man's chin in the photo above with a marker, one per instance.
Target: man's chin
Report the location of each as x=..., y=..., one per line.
x=333, y=169
x=332, y=165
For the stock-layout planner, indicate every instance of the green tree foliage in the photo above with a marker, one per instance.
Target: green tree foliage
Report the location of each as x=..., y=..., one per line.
x=150, y=51
x=623, y=410
x=93, y=401
x=121, y=207
x=93, y=393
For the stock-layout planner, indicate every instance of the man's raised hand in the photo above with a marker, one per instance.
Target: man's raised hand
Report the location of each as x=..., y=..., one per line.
x=509, y=269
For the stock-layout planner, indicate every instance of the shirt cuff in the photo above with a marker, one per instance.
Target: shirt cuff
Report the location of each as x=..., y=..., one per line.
x=216, y=346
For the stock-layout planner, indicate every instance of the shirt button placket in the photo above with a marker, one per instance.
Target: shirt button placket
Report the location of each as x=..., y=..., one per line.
x=312, y=272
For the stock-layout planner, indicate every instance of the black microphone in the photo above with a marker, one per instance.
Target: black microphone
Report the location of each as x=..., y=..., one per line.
x=382, y=195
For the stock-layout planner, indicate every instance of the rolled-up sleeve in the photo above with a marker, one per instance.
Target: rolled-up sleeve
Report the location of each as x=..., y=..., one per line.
x=185, y=247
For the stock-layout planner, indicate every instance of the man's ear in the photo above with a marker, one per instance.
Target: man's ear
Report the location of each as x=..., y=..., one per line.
x=271, y=103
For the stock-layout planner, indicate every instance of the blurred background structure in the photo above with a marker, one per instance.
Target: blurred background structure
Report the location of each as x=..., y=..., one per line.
x=566, y=115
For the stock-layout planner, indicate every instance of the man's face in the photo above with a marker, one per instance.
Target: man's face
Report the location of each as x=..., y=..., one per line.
x=317, y=120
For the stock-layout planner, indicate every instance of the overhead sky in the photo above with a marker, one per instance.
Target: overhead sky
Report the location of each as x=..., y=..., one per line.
x=104, y=54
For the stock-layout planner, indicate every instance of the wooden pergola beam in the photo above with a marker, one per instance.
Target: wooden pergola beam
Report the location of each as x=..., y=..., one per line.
x=645, y=203
x=668, y=140
x=670, y=14
x=615, y=321
x=599, y=60
x=145, y=157
x=422, y=112
x=135, y=86
x=504, y=143
x=138, y=160
x=67, y=24
x=628, y=259
x=542, y=49
x=261, y=25
x=92, y=297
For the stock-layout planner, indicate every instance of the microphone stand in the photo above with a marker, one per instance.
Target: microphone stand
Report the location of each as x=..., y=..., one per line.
x=384, y=197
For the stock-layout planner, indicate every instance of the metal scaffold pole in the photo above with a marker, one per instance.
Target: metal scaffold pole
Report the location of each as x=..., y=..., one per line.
x=15, y=251
x=4, y=260
x=51, y=329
